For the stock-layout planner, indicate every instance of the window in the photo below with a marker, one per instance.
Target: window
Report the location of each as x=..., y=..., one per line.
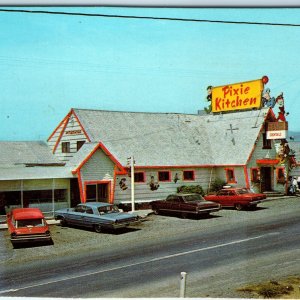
x=230, y=176
x=188, y=175
x=91, y=192
x=255, y=175
x=80, y=144
x=65, y=147
x=266, y=143
x=280, y=175
x=164, y=176
x=139, y=177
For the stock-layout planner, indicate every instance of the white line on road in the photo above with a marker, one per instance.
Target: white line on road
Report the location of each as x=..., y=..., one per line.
x=140, y=263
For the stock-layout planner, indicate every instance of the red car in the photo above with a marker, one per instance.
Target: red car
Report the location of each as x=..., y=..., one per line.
x=236, y=197
x=27, y=225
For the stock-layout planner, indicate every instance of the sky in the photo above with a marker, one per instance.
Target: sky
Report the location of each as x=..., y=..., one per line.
x=52, y=63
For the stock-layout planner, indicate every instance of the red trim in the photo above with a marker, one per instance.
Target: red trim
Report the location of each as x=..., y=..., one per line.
x=193, y=179
x=185, y=166
x=164, y=171
x=267, y=161
x=252, y=177
x=105, y=150
x=227, y=178
x=85, y=133
x=270, y=115
x=52, y=134
x=144, y=177
x=95, y=182
x=67, y=118
x=246, y=177
x=82, y=198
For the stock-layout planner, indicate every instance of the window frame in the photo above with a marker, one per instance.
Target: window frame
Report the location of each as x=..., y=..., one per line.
x=255, y=177
x=228, y=179
x=65, y=147
x=164, y=180
x=143, y=177
x=188, y=179
x=267, y=143
x=79, y=144
x=278, y=170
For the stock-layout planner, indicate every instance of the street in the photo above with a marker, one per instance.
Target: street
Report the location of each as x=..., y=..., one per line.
x=220, y=254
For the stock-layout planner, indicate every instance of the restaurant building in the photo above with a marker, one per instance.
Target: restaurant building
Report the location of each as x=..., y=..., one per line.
x=90, y=151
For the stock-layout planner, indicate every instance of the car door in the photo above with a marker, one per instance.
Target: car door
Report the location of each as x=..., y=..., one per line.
x=76, y=217
x=89, y=218
x=222, y=198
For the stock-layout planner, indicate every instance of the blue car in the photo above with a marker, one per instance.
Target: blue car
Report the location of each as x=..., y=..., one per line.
x=96, y=215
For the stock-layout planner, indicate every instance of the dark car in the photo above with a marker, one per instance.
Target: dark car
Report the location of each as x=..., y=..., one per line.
x=185, y=204
x=27, y=225
x=96, y=215
x=236, y=197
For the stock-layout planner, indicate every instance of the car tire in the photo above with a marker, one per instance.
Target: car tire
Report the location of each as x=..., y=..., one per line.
x=155, y=211
x=184, y=215
x=238, y=206
x=98, y=228
x=63, y=222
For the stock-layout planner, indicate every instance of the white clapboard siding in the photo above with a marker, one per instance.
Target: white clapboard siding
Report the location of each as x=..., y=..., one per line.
x=98, y=167
x=72, y=134
x=143, y=193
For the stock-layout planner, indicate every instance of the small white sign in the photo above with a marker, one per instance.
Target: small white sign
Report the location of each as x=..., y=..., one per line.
x=276, y=134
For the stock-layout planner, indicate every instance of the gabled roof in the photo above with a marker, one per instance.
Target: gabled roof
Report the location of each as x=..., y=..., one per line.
x=32, y=153
x=170, y=139
x=86, y=152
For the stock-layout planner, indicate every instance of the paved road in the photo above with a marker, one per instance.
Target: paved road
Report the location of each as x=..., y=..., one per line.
x=241, y=248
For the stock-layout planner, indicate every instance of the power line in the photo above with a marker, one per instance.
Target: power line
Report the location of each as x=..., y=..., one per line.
x=145, y=18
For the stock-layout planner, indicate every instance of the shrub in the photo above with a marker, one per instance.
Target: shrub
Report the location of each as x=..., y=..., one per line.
x=197, y=189
x=217, y=185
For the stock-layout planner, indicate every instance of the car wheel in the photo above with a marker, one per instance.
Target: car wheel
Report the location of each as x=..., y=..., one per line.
x=97, y=228
x=238, y=206
x=155, y=211
x=184, y=215
x=63, y=222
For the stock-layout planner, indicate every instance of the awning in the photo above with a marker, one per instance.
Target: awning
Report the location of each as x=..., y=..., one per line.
x=267, y=161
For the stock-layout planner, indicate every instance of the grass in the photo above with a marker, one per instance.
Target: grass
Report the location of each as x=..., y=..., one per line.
x=288, y=289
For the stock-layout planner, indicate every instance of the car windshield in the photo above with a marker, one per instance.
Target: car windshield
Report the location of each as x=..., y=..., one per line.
x=243, y=191
x=30, y=223
x=191, y=198
x=108, y=209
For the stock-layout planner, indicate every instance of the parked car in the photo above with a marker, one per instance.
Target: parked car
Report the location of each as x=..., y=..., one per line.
x=185, y=204
x=27, y=225
x=96, y=215
x=236, y=197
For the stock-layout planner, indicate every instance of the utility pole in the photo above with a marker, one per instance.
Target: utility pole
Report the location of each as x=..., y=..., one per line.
x=131, y=163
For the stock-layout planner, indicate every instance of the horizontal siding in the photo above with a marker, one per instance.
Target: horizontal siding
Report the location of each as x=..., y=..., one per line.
x=98, y=167
x=69, y=135
x=144, y=193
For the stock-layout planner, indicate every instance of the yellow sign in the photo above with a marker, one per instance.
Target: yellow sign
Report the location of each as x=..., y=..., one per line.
x=237, y=96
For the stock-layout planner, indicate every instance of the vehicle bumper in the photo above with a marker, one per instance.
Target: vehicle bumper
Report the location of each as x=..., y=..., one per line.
x=30, y=238
x=206, y=211
x=125, y=224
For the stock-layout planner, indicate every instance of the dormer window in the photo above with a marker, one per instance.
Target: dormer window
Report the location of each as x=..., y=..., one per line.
x=80, y=144
x=65, y=147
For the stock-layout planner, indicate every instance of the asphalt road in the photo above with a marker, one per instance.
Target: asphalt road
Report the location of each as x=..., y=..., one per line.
x=220, y=255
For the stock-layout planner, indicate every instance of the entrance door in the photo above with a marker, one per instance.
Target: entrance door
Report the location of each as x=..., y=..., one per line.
x=266, y=179
x=103, y=192
x=97, y=192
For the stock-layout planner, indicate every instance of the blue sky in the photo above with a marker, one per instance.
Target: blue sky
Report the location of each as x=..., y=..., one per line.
x=51, y=63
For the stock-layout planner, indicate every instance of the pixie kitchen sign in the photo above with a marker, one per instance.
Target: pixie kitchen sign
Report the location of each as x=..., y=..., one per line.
x=237, y=96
